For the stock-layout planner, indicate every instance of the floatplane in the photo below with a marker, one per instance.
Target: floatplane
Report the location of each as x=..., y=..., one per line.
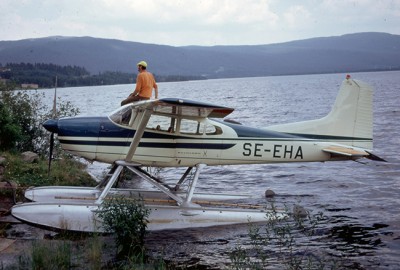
x=173, y=132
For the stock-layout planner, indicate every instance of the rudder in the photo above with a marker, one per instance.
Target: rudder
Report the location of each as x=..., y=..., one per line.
x=349, y=122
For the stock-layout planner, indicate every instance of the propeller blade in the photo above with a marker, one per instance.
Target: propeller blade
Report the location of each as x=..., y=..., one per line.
x=51, y=151
x=55, y=100
x=52, y=126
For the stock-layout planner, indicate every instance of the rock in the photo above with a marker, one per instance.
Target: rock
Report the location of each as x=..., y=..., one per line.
x=299, y=211
x=8, y=184
x=29, y=157
x=2, y=160
x=269, y=193
x=2, y=167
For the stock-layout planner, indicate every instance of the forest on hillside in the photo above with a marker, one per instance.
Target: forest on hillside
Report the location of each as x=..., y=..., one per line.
x=44, y=75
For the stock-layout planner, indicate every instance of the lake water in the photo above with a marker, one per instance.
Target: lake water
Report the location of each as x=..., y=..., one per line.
x=361, y=200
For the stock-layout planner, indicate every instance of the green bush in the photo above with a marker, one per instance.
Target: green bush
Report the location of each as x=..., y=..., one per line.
x=127, y=219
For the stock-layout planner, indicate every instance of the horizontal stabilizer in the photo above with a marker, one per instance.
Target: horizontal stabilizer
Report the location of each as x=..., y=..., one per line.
x=344, y=151
x=351, y=152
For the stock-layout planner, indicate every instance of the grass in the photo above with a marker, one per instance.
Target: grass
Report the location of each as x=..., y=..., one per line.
x=46, y=255
x=64, y=172
x=94, y=252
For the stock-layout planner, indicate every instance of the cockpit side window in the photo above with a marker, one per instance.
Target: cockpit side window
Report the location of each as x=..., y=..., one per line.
x=191, y=127
x=161, y=123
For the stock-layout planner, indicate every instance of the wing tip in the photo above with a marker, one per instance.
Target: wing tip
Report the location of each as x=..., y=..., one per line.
x=375, y=157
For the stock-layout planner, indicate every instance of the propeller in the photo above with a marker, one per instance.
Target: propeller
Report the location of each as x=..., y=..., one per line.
x=52, y=127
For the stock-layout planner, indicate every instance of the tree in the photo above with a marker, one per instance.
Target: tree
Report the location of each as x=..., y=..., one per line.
x=22, y=114
x=9, y=130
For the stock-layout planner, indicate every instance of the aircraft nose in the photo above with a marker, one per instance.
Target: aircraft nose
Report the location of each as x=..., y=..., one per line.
x=51, y=125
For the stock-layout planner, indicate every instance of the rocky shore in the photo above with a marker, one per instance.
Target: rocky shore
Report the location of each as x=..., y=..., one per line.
x=175, y=248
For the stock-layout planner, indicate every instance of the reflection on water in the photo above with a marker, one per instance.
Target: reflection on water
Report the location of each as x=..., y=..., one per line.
x=355, y=239
x=361, y=200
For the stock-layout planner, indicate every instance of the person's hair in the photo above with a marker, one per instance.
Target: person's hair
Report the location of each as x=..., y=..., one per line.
x=143, y=67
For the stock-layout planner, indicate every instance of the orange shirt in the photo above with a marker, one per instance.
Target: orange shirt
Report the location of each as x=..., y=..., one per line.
x=145, y=83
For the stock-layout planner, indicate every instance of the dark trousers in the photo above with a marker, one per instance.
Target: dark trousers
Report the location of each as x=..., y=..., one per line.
x=133, y=99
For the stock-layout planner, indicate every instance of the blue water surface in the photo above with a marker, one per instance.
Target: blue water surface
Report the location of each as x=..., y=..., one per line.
x=361, y=199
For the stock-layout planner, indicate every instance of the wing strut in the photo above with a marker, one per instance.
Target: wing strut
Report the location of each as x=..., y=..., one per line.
x=145, y=116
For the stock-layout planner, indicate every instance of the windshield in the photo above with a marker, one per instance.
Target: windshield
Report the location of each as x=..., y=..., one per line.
x=122, y=116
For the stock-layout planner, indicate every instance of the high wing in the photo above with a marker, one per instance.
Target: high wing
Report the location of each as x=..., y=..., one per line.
x=185, y=107
x=138, y=114
x=170, y=106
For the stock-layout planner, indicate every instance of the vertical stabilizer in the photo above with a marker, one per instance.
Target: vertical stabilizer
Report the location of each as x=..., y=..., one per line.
x=349, y=122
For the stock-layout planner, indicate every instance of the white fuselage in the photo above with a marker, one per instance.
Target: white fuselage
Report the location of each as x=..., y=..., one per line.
x=161, y=149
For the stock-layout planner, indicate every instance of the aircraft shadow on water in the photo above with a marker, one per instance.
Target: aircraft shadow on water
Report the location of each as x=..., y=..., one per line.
x=173, y=132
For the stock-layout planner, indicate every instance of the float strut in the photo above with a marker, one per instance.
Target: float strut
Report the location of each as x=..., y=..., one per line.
x=177, y=186
x=193, y=184
x=110, y=183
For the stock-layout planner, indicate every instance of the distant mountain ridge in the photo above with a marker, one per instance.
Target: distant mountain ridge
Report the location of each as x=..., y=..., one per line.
x=347, y=53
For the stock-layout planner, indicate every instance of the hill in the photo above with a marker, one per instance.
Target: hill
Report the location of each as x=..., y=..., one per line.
x=347, y=53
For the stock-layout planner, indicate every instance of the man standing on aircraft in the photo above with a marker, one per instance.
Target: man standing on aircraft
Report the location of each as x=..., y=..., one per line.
x=145, y=83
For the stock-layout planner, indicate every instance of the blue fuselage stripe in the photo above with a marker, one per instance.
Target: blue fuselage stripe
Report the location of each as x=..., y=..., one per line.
x=216, y=146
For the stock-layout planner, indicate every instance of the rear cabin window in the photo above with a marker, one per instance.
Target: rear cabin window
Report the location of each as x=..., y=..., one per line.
x=213, y=130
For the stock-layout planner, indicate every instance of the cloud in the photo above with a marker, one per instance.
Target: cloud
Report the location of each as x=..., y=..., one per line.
x=196, y=22
x=297, y=16
x=206, y=21
x=201, y=12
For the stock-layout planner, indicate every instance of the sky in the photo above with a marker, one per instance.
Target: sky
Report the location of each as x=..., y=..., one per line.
x=197, y=22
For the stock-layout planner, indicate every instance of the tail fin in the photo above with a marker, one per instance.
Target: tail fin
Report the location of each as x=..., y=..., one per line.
x=349, y=122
